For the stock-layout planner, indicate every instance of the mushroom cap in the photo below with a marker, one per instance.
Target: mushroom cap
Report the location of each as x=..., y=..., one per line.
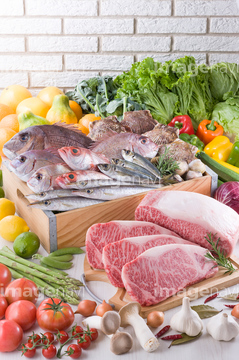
x=110, y=322
x=128, y=310
x=121, y=343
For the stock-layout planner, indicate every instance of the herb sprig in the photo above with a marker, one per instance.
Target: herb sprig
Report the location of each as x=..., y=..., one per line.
x=165, y=164
x=220, y=258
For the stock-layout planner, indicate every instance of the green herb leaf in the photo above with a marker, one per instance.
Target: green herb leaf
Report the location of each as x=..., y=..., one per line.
x=232, y=297
x=205, y=311
x=220, y=258
x=185, y=338
x=166, y=165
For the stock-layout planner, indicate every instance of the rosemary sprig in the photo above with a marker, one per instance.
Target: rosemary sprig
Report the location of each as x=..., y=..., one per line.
x=220, y=258
x=165, y=164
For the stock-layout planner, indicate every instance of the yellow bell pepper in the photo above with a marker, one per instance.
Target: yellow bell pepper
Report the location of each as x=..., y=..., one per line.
x=219, y=148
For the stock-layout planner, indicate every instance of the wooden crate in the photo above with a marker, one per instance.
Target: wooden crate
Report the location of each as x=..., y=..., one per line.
x=69, y=228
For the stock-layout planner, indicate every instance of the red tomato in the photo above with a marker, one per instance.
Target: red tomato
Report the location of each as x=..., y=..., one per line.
x=21, y=289
x=5, y=277
x=93, y=334
x=23, y=312
x=3, y=306
x=28, y=353
x=50, y=352
x=84, y=342
x=10, y=335
x=34, y=338
x=62, y=336
x=49, y=338
x=77, y=331
x=54, y=315
x=74, y=351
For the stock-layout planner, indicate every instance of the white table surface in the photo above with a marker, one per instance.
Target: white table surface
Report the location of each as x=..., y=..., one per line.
x=203, y=348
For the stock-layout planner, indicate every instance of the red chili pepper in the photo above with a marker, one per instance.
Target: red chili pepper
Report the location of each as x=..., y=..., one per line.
x=230, y=306
x=162, y=331
x=172, y=337
x=183, y=123
x=211, y=298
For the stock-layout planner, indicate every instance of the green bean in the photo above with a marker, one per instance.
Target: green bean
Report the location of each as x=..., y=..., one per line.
x=56, y=264
x=55, y=270
x=64, y=258
x=69, y=250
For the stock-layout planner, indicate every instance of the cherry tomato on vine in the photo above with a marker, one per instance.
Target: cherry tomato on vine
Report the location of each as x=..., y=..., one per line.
x=84, y=342
x=93, y=334
x=77, y=331
x=34, y=338
x=49, y=352
x=28, y=353
x=62, y=336
x=49, y=338
x=74, y=351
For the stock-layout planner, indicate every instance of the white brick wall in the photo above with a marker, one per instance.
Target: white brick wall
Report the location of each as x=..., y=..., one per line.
x=58, y=42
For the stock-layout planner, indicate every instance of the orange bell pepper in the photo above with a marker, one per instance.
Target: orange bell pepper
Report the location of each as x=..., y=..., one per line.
x=208, y=130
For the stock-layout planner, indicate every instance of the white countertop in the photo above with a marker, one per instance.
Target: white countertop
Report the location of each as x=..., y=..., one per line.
x=203, y=348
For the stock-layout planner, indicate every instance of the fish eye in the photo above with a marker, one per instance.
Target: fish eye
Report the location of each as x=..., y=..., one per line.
x=42, y=194
x=89, y=191
x=75, y=151
x=84, y=183
x=106, y=166
x=22, y=159
x=47, y=202
x=24, y=137
x=39, y=176
x=127, y=152
x=71, y=176
x=143, y=140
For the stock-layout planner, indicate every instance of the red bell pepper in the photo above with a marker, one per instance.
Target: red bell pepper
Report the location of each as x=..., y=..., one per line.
x=183, y=123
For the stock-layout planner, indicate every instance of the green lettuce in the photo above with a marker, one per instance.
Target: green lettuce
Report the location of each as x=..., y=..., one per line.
x=227, y=114
x=224, y=78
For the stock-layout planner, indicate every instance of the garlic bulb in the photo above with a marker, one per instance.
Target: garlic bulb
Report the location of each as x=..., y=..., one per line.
x=223, y=327
x=187, y=320
x=197, y=165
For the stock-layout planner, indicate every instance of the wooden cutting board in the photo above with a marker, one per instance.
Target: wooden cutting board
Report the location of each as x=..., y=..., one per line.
x=204, y=288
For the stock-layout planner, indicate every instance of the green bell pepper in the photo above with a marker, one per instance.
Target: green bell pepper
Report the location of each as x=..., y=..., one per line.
x=233, y=158
x=193, y=140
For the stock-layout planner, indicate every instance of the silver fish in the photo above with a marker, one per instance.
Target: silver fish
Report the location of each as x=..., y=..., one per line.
x=64, y=204
x=44, y=178
x=64, y=181
x=119, y=173
x=132, y=166
x=110, y=193
x=51, y=194
x=140, y=160
x=27, y=163
x=88, y=184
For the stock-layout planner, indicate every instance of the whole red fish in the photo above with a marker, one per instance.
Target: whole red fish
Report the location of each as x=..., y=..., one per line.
x=69, y=180
x=42, y=137
x=78, y=158
x=112, y=146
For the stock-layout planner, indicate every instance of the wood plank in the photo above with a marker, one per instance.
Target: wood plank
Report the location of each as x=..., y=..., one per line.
x=212, y=285
x=36, y=219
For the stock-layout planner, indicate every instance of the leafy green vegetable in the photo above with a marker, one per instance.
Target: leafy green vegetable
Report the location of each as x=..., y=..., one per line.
x=224, y=78
x=166, y=164
x=205, y=311
x=227, y=114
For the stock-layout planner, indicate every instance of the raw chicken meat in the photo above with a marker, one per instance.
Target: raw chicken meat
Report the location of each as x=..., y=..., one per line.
x=192, y=216
x=119, y=253
x=100, y=235
x=162, y=271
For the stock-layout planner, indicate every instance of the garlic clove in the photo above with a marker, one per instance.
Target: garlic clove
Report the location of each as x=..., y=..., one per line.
x=187, y=320
x=223, y=327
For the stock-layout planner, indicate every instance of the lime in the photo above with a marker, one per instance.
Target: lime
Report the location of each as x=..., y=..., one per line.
x=26, y=244
x=2, y=193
